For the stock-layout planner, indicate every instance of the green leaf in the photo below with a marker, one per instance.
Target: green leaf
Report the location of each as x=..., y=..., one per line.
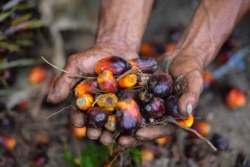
x=21, y=19
x=68, y=156
x=135, y=152
x=94, y=155
x=23, y=42
x=10, y=47
x=5, y=15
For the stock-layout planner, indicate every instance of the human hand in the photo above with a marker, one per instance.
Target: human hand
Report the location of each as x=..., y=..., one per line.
x=82, y=64
x=187, y=73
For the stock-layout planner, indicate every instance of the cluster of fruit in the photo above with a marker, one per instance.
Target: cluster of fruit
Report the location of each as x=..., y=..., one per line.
x=125, y=95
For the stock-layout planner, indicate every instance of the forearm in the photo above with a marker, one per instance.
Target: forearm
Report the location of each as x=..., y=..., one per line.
x=213, y=22
x=123, y=22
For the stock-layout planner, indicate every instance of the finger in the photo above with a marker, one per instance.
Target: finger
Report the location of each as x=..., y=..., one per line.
x=127, y=141
x=106, y=138
x=77, y=118
x=65, y=82
x=191, y=91
x=93, y=133
x=153, y=132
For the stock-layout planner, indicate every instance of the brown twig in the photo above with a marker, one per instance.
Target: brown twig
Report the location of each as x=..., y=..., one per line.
x=115, y=158
x=51, y=115
x=173, y=121
x=62, y=70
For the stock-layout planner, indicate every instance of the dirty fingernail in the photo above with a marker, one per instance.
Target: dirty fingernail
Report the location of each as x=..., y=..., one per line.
x=189, y=108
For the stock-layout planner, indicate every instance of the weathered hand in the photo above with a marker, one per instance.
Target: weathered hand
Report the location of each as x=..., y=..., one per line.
x=81, y=64
x=186, y=71
x=84, y=63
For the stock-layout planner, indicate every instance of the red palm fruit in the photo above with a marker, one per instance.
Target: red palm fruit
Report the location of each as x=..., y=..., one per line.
x=128, y=94
x=154, y=108
x=151, y=49
x=170, y=46
x=107, y=101
x=171, y=108
x=110, y=125
x=235, y=98
x=8, y=142
x=128, y=115
x=114, y=64
x=187, y=122
x=127, y=81
x=22, y=105
x=84, y=102
x=96, y=117
x=37, y=75
x=78, y=132
x=207, y=78
x=107, y=82
x=220, y=142
x=144, y=64
x=203, y=128
x=40, y=159
x=88, y=85
x=160, y=84
x=42, y=139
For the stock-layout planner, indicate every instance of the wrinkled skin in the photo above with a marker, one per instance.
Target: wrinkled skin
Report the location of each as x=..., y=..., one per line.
x=212, y=23
x=84, y=62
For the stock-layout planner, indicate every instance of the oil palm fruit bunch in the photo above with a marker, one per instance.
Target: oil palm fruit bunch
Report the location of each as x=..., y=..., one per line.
x=125, y=95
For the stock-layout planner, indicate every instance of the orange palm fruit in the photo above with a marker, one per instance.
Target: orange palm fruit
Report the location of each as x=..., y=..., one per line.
x=84, y=102
x=144, y=64
x=163, y=140
x=170, y=46
x=78, y=132
x=114, y=64
x=151, y=49
x=147, y=154
x=8, y=142
x=107, y=101
x=107, y=82
x=128, y=81
x=235, y=98
x=203, y=128
x=128, y=115
x=110, y=125
x=88, y=85
x=188, y=122
x=37, y=75
x=207, y=78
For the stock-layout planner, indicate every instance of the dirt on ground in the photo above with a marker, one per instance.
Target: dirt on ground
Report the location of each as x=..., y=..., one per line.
x=31, y=136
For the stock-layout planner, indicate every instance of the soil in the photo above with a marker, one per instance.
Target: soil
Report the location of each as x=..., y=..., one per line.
x=31, y=126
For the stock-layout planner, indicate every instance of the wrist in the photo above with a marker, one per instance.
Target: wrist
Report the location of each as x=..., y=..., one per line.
x=123, y=23
x=117, y=41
